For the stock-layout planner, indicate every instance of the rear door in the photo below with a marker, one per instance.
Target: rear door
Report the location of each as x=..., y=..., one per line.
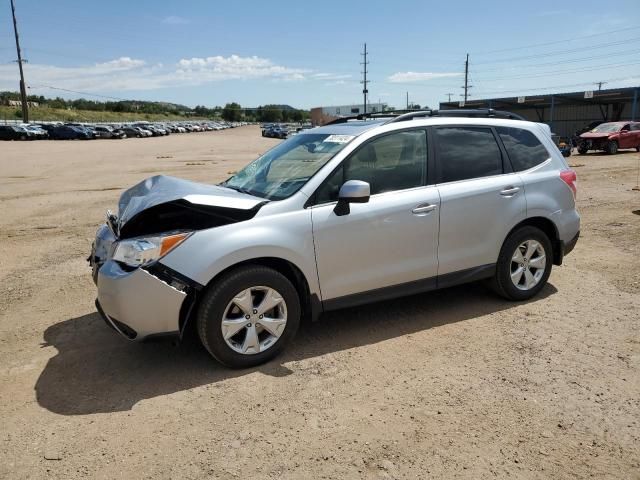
x=635, y=131
x=481, y=197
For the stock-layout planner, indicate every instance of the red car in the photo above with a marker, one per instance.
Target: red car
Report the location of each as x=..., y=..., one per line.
x=610, y=137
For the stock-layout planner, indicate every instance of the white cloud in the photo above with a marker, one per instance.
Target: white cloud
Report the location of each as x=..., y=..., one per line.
x=122, y=63
x=335, y=83
x=175, y=20
x=330, y=76
x=410, y=77
x=235, y=68
x=126, y=73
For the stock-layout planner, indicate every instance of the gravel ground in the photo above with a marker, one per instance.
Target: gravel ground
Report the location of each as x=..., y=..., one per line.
x=451, y=384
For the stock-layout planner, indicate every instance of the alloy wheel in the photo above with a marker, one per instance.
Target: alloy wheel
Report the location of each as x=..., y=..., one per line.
x=528, y=264
x=254, y=320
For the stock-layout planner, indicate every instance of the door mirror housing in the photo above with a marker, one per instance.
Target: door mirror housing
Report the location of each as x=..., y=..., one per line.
x=352, y=191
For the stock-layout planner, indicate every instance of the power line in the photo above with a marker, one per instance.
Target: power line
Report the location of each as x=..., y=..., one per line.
x=562, y=62
x=80, y=93
x=555, y=42
x=561, y=72
x=560, y=52
x=524, y=89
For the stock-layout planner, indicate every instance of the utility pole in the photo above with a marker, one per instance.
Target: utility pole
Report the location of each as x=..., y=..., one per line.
x=449, y=95
x=600, y=85
x=364, y=82
x=466, y=79
x=407, y=100
x=23, y=88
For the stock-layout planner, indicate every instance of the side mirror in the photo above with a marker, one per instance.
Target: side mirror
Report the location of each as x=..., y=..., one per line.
x=352, y=191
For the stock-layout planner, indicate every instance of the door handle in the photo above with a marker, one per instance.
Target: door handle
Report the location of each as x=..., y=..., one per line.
x=509, y=191
x=424, y=208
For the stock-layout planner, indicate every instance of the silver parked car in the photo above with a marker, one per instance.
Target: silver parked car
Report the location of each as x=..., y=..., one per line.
x=336, y=216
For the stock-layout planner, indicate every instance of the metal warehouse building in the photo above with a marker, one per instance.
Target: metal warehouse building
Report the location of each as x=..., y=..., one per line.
x=566, y=113
x=322, y=115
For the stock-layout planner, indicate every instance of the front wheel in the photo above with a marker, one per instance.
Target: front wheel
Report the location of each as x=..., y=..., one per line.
x=612, y=148
x=582, y=149
x=248, y=316
x=524, y=264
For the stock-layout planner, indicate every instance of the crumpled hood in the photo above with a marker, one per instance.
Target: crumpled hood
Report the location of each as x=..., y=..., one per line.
x=162, y=193
x=596, y=134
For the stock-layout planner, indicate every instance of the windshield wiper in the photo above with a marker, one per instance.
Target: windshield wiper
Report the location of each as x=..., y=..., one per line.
x=239, y=189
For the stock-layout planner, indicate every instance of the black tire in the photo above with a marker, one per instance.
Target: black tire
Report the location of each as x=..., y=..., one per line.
x=582, y=150
x=502, y=283
x=612, y=147
x=637, y=149
x=23, y=137
x=218, y=295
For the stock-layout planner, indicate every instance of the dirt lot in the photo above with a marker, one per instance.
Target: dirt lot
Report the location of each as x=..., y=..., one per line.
x=457, y=383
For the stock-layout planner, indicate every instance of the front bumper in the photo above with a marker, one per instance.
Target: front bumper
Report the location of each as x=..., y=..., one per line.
x=138, y=304
x=568, y=247
x=594, y=143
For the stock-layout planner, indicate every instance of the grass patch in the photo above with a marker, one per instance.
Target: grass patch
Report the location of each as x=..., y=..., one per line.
x=61, y=115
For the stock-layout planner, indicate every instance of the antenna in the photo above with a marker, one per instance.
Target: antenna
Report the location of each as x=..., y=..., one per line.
x=364, y=81
x=466, y=80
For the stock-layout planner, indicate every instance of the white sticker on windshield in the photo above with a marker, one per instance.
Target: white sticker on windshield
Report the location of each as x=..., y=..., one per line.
x=339, y=138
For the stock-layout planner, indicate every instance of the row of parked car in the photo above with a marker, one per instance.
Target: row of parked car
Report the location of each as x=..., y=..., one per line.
x=78, y=131
x=281, y=130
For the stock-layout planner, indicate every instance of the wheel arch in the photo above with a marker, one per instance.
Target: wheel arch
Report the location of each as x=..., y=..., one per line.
x=310, y=303
x=550, y=230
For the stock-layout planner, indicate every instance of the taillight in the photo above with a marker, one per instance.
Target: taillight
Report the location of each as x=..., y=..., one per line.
x=569, y=177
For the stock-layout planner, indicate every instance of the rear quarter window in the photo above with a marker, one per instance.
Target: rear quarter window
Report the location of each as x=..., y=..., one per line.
x=523, y=147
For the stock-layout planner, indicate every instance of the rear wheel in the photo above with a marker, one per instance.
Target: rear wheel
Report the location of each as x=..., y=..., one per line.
x=248, y=316
x=524, y=264
x=612, y=148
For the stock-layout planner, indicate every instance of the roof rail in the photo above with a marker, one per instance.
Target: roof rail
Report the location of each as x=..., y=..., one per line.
x=479, y=113
x=405, y=115
x=362, y=116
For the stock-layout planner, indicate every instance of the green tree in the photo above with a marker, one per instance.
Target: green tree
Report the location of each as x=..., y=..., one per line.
x=271, y=113
x=297, y=116
x=232, y=112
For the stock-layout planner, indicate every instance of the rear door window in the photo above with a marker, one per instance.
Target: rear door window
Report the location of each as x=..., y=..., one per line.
x=467, y=152
x=523, y=147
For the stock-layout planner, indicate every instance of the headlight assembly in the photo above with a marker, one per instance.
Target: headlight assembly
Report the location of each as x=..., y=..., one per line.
x=136, y=252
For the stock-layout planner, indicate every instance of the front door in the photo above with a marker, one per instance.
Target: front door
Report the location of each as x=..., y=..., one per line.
x=389, y=241
x=626, y=138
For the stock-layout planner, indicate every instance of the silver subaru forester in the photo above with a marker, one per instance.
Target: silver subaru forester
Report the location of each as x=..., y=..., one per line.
x=341, y=215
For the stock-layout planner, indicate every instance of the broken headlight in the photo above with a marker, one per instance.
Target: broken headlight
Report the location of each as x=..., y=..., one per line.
x=136, y=252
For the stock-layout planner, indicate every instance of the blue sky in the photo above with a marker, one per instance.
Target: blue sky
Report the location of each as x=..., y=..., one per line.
x=307, y=53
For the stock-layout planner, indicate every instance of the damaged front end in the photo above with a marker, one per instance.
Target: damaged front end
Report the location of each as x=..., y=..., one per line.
x=137, y=295
x=594, y=141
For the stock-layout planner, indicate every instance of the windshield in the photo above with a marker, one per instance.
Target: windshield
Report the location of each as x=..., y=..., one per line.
x=284, y=169
x=606, y=128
